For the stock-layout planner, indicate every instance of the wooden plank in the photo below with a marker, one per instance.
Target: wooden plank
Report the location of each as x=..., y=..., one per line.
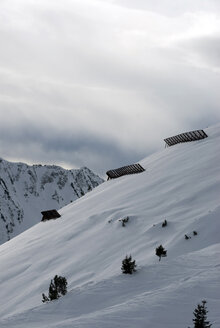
x=134, y=169
x=202, y=134
x=193, y=136
x=187, y=137
x=174, y=141
x=171, y=141
x=178, y=137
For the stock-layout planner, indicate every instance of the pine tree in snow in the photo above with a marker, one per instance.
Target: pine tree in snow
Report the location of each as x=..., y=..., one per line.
x=57, y=288
x=161, y=252
x=128, y=266
x=200, y=314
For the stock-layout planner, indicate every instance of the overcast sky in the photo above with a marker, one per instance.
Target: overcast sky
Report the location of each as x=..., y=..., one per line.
x=102, y=83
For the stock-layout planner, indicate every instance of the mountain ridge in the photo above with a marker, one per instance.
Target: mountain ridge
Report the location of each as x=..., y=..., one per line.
x=29, y=189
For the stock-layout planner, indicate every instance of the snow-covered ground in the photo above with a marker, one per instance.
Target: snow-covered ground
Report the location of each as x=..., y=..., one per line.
x=88, y=243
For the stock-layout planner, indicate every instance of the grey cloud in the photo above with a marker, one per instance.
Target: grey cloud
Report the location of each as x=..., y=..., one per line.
x=169, y=7
x=97, y=84
x=206, y=49
x=40, y=145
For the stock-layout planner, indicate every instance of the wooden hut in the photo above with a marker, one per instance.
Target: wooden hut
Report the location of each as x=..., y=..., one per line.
x=50, y=215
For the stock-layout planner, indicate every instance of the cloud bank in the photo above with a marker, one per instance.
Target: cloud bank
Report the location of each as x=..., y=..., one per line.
x=101, y=83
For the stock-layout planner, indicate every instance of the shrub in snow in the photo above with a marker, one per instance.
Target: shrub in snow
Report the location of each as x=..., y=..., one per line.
x=45, y=298
x=200, y=316
x=57, y=288
x=125, y=220
x=128, y=266
x=161, y=252
x=164, y=224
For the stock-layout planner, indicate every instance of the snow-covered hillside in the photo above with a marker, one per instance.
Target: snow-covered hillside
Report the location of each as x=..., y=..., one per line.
x=26, y=190
x=88, y=243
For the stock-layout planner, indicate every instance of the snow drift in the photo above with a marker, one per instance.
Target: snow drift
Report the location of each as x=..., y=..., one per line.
x=88, y=243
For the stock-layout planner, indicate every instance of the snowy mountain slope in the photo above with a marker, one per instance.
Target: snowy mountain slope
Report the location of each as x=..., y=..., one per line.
x=88, y=243
x=26, y=190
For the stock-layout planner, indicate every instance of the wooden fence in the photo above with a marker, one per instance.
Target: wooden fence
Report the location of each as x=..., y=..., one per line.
x=186, y=137
x=125, y=170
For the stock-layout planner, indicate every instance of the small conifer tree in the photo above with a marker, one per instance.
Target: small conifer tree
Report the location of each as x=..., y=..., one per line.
x=58, y=287
x=200, y=314
x=61, y=285
x=53, y=293
x=164, y=224
x=128, y=266
x=45, y=298
x=125, y=220
x=161, y=252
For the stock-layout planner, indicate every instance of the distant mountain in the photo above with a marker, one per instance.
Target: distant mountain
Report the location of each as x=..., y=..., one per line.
x=26, y=190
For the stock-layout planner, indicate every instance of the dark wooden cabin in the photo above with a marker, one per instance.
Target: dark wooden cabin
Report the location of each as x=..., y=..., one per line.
x=50, y=215
x=186, y=137
x=125, y=170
